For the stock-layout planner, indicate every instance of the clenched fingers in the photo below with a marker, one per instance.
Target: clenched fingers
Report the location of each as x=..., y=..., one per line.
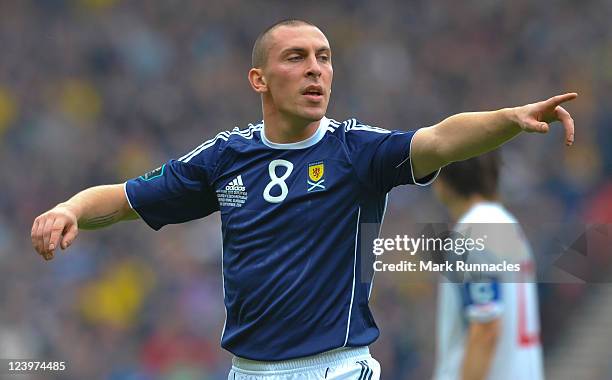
x=34, y=235
x=46, y=233
x=55, y=228
x=537, y=127
x=56, y=232
x=39, y=235
x=69, y=236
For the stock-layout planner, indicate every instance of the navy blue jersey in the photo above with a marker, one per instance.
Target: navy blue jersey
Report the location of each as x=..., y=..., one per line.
x=291, y=219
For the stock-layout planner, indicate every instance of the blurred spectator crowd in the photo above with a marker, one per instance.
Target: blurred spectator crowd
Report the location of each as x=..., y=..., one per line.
x=99, y=91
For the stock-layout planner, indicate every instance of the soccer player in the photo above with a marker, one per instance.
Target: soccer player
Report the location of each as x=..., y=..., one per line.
x=293, y=192
x=488, y=327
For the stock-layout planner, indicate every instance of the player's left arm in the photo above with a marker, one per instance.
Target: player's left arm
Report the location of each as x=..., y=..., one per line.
x=480, y=348
x=470, y=134
x=483, y=309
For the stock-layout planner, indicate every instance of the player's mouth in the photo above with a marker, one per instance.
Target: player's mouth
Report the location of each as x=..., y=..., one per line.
x=313, y=93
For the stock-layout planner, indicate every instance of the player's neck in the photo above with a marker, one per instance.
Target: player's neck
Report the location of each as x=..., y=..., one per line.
x=284, y=130
x=461, y=206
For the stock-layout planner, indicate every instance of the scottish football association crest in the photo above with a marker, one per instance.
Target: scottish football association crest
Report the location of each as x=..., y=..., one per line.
x=316, y=172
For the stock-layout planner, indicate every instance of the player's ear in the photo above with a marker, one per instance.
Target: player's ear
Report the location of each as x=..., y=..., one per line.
x=257, y=80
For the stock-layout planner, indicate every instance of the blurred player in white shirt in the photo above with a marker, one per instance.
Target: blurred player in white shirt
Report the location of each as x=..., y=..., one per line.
x=487, y=328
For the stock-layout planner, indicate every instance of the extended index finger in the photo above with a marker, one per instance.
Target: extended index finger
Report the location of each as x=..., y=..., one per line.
x=559, y=99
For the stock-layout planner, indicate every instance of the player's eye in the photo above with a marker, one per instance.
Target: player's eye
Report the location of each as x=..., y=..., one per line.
x=295, y=58
x=324, y=58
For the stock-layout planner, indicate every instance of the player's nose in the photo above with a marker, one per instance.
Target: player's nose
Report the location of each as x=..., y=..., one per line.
x=313, y=69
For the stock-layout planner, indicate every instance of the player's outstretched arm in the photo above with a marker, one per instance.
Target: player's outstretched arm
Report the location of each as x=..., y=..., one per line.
x=470, y=134
x=93, y=208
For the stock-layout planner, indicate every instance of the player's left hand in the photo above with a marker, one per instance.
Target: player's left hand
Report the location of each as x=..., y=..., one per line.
x=535, y=117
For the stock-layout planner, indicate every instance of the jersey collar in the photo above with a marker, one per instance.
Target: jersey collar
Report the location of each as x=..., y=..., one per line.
x=483, y=205
x=312, y=140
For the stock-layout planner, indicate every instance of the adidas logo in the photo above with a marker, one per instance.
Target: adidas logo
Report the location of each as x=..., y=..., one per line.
x=236, y=185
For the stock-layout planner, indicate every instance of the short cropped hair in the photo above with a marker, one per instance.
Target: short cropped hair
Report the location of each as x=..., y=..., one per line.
x=474, y=176
x=259, y=55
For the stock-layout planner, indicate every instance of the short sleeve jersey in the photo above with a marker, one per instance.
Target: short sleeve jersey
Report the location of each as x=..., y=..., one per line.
x=291, y=221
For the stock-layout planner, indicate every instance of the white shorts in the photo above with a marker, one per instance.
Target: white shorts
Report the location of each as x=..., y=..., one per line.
x=340, y=364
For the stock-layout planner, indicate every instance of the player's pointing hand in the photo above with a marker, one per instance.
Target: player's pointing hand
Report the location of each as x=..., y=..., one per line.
x=56, y=227
x=536, y=116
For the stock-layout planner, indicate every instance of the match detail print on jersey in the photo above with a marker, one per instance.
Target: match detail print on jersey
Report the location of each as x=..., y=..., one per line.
x=234, y=194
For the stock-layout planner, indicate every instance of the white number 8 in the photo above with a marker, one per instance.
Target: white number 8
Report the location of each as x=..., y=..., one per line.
x=277, y=181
